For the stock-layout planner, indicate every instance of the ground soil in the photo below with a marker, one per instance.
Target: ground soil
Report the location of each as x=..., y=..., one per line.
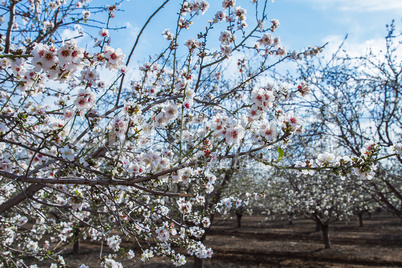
x=275, y=243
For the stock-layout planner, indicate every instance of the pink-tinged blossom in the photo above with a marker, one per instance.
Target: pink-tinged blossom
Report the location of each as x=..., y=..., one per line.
x=183, y=23
x=6, y=165
x=132, y=109
x=262, y=98
x=184, y=207
x=234, y=134
x=188, y=99
x=293, y=121
x=226, y=38
x=277, y=41
x=303, y=88
x=119, y=126
x=368, y=148
x=86, y=14
x=161, y=119
x=179, y=259
x=241, y=13
x=70, y=56
x=114, y=58
x=275, y=25
x=89, y=75
x=18, y=67
x=219, y=123
x=281, y=51
x=226, y=51
x=206, y=222
x=135, y=168
x=104, y=33
x=186, y=174
x=227, y=202
x=46, y=245
x=44, y=57
x=171, y=111
x=219, y=16
x=163, y=234
x=167, y=34
x=269, y=132
x=123, y=69
x=85, y=99
x=266, y=40
x=228, y=3
x=255, y=111
x=192, y=44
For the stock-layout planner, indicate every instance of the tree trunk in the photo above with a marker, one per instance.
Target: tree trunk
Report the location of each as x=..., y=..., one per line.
x=198, y=263
x=238, y=217
x=317, y=226
x=325, y=234
x=76, y=239
x=360, y=214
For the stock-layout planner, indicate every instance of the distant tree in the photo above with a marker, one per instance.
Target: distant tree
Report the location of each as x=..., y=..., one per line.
x=356, y=106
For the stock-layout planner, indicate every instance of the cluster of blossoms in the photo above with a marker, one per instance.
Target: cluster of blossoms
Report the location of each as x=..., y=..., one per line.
x=85, y=99
x=228, y=203
x=262, y=100
x=345, y=166
x=194, y=7
x=265, y=132
x=232, y=130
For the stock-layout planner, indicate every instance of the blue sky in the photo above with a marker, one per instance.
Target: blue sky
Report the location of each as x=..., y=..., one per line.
x=313, y=22
x=303, y=22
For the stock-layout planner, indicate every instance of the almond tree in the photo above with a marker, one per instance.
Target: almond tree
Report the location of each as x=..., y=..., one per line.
x=83, y=155
x=320, y=196
x=356, y=103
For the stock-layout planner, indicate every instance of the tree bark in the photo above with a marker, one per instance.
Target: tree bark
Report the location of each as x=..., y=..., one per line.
x=238, y=218
x=76, y=239
x=325, y=234
x=317, y=227
x=360, y=214
x=198, y=263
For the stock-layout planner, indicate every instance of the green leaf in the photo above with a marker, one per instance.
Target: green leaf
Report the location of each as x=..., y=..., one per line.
x=280, y=151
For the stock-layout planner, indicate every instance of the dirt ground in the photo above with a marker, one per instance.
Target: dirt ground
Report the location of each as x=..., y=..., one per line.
x=275, y=243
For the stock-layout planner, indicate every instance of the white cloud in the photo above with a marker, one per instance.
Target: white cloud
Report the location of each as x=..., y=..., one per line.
x=353, y=48
x=133, y=30
x=69, y=34
x=358, y=5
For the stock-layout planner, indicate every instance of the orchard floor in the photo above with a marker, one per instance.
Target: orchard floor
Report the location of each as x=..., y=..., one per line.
x=275, y=243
